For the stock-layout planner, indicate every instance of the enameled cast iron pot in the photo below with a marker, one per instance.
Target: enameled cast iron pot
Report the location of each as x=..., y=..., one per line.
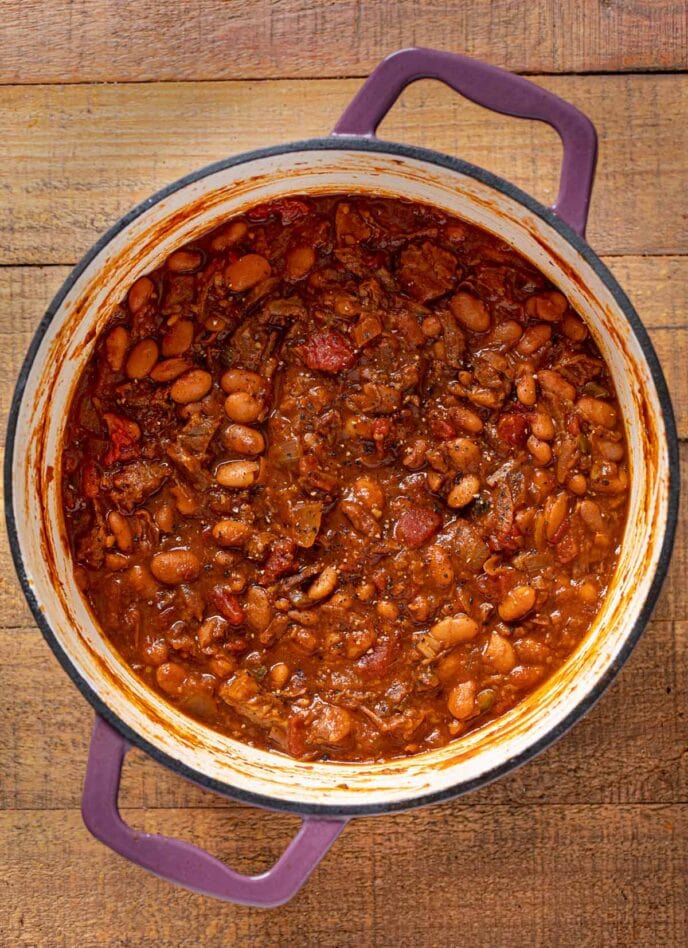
x=350, y=160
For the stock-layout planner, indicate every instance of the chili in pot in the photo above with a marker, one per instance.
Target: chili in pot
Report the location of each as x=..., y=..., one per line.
x=345, y=478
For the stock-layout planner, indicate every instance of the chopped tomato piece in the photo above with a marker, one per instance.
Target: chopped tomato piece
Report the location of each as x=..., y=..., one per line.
x=567, y=549
x=573, y=423
x=90, y=479
x=287, y=209
x=296, y=735
x=327, y=351
x=416, y=525
x=442, y=429
x=280, y=561
x=377, y=660
x=124, y=436
x=513, y=429
x=227, y=605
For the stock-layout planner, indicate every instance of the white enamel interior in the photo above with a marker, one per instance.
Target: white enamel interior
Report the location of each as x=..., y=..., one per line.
x=141, y=246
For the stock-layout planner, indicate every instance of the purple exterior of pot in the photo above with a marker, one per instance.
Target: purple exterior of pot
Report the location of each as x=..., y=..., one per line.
x=496, y=89
x=182, y=863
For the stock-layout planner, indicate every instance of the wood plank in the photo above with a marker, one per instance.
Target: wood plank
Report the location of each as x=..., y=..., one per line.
x=101, y=41
x=658, y=286
x=630, y=749
x=78, y=157
x=507, y=876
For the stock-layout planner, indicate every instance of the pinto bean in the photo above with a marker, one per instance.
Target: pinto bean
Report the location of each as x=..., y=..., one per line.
x=500, y=653
x=141, y=580
x=526, y=389
x=540, y=450
x=464, y=454
x=542, y=426
x=141, y=359
x=534, y=338
x=517, y=603
x=461, y=700
x=610, y=450
x=555, y=510
x=231, y=532
x=223, y=666
x=298, y=262
x=279, y=675
x=588, y=591
x=191, y=387
x=346, y=305
x=573, y=328
x=365, y=591
x=542, y=485
x=577, y=484
x=597, y=412
x=464, y=492
x=556, y=385
x=214, y=323
x=244, y=440
x=175, y=566
x=184, y=261
x=467, y=420
x=323, y=584
x=258, y=609
x=455, y=629
x=116, y=345
x=242, y=407
x=116, y=561
x=440, y=567
x=164, y=517
x=387, y=609
x=550, y=305
x=171, y=677
x=305, y=640
x=169, y=369
x=121, y=531
x=470, y=311
x=237, y=474
x=178, y=338
x=211, y=630
x=140, y=294
x=242, y=380
x=331, y=726
x=246, y=272
x=591, y=515
x=431, y=327
x=608, y=477
x=185, y=499
x=156, y=651
x=228, y=236
x=507, y=333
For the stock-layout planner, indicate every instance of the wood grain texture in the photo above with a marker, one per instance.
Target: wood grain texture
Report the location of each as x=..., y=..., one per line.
x=102, y=41
x=588, y=844
x=632, y=748
x=510, y=876
x=78, y=157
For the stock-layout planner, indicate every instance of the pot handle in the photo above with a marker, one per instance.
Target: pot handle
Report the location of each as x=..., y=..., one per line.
x=182, y=863
x=496, y=89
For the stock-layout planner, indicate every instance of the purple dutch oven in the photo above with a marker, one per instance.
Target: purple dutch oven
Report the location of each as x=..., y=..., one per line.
x=326, y=795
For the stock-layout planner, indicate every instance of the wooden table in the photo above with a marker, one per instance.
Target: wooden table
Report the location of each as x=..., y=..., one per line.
x=588, y=844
